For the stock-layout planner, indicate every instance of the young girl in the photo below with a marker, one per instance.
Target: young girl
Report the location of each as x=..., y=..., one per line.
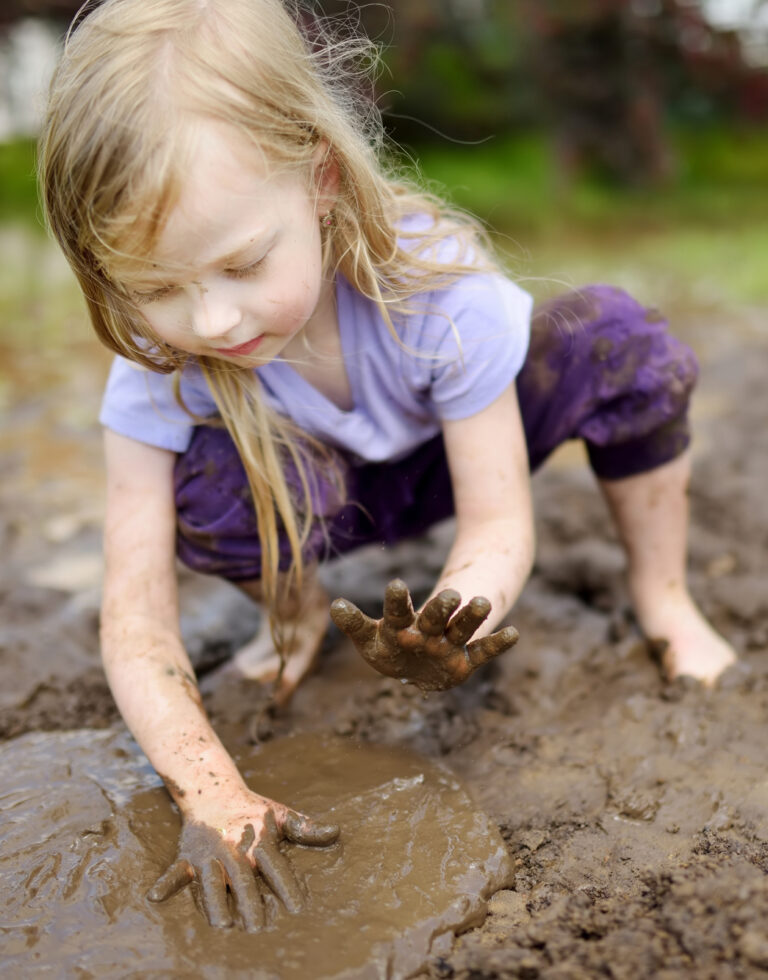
x=312, y=356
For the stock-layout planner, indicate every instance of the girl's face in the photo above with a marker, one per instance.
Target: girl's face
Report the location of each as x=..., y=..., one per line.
x=237, y=272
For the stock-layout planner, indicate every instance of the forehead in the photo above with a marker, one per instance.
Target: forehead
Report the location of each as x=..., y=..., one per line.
x=225, y=194
x=228, y=183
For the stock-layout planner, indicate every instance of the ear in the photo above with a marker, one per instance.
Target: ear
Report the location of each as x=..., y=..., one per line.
x=325, y=171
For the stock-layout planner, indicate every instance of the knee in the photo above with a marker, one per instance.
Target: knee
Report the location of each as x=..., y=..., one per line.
x=603, y=330
x=577, y=320
x=631, y=344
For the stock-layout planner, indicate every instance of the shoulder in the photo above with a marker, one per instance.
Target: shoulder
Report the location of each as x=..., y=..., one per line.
x=436, y=240
x=472, y=306
x=471, y=276
x=150, y=407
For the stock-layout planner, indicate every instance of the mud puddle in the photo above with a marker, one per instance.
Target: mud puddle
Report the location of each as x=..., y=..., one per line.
x=88, y=827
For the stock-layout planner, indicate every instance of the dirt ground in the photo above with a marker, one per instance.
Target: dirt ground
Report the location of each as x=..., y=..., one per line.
x=635, y=812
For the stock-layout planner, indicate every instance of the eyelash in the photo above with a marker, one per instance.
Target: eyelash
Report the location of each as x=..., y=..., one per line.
x=141, y=299
x=242, y=273
x=246, y=270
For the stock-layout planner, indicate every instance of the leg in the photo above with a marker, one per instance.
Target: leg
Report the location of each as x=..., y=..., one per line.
x=605, y=369
x=303, y=620
x=651, y=515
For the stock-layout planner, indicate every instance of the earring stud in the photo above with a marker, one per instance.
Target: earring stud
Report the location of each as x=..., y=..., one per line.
x=327, y=220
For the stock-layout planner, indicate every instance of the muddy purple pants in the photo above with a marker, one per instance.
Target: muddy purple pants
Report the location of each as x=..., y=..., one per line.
x=600, y=368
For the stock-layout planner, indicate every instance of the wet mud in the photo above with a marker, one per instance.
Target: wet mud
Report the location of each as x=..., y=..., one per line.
x=634, y=813
x=89, y=827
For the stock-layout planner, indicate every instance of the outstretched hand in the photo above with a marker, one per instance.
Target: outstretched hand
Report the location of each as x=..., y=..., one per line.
x=430, y=648
x=209, y=856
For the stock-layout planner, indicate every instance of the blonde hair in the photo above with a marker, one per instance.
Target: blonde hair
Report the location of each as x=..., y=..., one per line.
x=113, y=156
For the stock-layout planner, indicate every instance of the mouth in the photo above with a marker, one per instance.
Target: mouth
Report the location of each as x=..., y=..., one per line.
x=241, y=349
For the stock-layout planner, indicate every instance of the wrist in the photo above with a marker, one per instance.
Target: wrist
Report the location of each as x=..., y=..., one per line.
x=206, y=799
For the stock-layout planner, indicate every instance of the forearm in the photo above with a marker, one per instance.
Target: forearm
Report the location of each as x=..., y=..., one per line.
x=492, y=560
x=154, y=686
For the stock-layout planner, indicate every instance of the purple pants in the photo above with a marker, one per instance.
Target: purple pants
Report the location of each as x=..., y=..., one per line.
x=600, y=368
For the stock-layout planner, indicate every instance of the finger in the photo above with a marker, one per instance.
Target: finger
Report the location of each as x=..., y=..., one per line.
x=213, y=886
x=359, y=628
x=398, y=608
x=481, y=651
x=301, y=830
x=246, y=892
x=247, y=838
x=434, y=617
x=279, y=875
x=466, y=620
x=276, y=869
x=175, y=878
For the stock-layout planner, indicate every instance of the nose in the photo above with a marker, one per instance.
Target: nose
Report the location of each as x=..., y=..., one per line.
x=213, y=312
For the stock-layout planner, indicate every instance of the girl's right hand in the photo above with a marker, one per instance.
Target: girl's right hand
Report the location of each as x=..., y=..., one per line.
x=240, y=852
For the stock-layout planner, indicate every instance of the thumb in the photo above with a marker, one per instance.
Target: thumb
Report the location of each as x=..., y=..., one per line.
x=485, y=649
x=301, y=830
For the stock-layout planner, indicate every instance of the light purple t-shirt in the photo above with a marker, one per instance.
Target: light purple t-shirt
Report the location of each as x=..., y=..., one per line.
x=401, y=391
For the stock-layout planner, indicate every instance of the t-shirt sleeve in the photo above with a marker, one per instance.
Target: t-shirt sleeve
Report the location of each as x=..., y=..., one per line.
x=142, y=405
x=481, y=348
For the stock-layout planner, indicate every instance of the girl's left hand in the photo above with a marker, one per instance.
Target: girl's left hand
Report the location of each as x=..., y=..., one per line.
x=430, y=648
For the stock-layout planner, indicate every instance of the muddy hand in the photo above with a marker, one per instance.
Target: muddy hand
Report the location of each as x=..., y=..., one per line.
x=215, y=863
x=429, y=649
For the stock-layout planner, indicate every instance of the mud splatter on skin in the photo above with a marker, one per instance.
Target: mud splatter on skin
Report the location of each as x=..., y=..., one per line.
x=187, y=682
x=173, y=787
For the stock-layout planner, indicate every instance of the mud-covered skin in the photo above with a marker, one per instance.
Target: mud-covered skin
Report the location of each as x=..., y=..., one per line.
x=429, y=649
x=216, y=864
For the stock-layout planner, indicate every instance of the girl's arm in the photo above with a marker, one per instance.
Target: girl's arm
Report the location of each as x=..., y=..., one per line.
x=492, y=554
x=488, y=564
x=155, y=689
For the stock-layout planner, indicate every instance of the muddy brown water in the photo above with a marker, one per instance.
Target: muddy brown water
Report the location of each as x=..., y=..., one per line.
x=88, y=827
x=633, y=812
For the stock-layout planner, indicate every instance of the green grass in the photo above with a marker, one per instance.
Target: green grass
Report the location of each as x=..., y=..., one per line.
x=701, y=238
x=718, y=175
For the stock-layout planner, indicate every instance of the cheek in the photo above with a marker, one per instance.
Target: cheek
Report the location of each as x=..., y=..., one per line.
x=168, y=326
x=160, y=325
x=298, y=305
x=300, y=293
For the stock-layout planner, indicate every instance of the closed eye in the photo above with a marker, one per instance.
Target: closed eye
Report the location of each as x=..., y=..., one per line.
x=244, y=271
x=152, y=295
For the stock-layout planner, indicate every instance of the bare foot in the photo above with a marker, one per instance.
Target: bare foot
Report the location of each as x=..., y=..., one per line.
x=259, y=661
x=686, y=642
